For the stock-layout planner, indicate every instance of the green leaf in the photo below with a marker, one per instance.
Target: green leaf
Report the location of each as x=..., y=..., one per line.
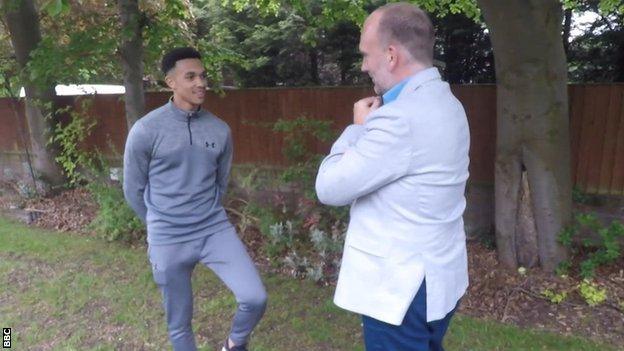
x=56, y=7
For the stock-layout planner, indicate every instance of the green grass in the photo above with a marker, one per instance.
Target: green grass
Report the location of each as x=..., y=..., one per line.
x=68, y=292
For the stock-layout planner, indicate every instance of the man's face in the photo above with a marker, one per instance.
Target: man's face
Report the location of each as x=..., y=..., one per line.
x=187, y=79
x=375, y=60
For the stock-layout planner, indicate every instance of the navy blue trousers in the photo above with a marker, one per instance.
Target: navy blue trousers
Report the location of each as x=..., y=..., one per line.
x=415, y=334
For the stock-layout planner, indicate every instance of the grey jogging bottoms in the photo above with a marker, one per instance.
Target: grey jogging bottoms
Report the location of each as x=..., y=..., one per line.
x=224, y=254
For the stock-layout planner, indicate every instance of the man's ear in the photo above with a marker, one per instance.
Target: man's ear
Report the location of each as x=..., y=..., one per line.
x=170, y=82
x=392, y=55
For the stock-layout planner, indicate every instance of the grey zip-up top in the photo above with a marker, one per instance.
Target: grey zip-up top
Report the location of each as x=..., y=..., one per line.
x=176, y=168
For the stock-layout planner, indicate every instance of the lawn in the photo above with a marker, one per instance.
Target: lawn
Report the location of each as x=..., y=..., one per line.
x=64, y=291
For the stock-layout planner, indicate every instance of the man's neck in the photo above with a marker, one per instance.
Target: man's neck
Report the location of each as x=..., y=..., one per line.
x=183, y=105
x=401, y=79
x=407, y=71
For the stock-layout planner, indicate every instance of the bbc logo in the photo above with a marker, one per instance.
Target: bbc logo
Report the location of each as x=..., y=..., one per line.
x=6, y=338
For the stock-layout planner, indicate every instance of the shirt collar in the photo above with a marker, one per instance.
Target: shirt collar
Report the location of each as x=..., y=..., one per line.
x=412, y=83
x=394, y=92
x=181, y=114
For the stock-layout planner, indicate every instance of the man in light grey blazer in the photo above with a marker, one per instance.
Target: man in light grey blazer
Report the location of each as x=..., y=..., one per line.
x=402, y=166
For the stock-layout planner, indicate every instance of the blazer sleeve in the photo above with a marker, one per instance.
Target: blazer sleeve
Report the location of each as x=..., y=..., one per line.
x=364, y=159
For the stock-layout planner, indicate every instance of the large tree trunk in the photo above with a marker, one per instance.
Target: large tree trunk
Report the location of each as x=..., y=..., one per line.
x=567, y=25
x=22, y=20
x=532, y=128
x=132, y=59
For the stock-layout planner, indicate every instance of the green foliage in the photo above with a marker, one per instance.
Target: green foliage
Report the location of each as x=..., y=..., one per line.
x=266, y=219
x=75, y=54
x=300, y=234
x=603, y=252
x=443, y=8
x=309, y=42
x=251, y=178
x=8, y=69
x=592, y=293
x=299, y=137
x=70, y=137
x=281, y=237
x=308, y=252
x=563, y=269
x=566, y=236
x=56, y=7
x=166, y=26
x=608, y=251
x=334, y=11
x=595, y=55
x=296, y=131
x=216, y=58
x=579, y=196
x=555, y=297
x=588, y=220
x=322, y=228
x=268, y=7
x=288, y=47
x=115, y=220
x=607, y=6
x=79, y=40
x=570, y=4
x=173, y=23
x=246, y=180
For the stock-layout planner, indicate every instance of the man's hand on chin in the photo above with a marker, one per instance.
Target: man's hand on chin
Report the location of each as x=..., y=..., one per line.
x=363, y=107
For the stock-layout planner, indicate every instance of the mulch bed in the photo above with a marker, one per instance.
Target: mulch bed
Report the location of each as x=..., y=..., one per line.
x=71, y=210
x=507, y=296
x=495, y=293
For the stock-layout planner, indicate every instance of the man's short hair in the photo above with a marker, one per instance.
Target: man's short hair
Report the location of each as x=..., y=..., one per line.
x=175, y=55
x=409, y=26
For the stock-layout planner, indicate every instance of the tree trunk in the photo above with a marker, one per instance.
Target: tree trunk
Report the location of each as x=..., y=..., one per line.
x=526, y=243
x=532, y=124
x=22, y=20
x=314, y=66
x=567, y=24
x=132, y=59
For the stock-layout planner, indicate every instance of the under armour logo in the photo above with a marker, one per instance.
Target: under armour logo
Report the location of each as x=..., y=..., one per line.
x=212, y=145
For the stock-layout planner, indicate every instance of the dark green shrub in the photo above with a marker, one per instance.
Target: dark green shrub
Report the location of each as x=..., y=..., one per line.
x=115, y=220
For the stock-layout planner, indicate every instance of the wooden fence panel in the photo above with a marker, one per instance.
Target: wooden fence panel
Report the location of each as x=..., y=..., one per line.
x=596, y=126
x=617, y=182
x=597, y=123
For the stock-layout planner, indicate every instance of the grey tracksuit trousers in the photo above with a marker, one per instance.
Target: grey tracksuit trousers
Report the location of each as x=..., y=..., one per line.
x=224, y=254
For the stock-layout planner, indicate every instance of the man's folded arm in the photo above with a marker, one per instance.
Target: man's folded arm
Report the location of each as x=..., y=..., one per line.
x=364, y=159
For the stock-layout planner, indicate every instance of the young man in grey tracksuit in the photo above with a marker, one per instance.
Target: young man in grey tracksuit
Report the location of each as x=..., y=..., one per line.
x=176, y=166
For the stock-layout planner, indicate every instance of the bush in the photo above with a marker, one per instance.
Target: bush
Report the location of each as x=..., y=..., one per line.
x=301, y=235
x=115, y=220
x=606, y=250
x=592, y=293
x=75, y=161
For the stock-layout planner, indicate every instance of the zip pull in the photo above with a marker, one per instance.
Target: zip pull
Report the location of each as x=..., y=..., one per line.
x=188, y=125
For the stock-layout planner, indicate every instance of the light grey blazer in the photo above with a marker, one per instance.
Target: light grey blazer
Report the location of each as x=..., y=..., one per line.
x=404, y=174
